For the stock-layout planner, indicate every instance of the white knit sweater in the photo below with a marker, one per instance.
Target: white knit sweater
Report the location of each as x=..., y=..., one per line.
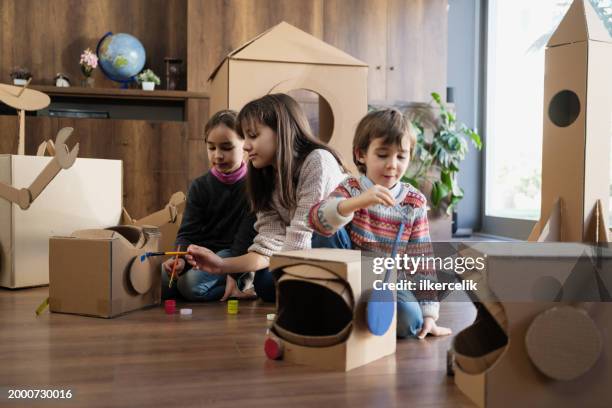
x=284, y=229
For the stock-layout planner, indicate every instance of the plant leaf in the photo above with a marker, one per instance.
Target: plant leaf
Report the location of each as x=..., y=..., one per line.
x=411, y=180
x=436, y=97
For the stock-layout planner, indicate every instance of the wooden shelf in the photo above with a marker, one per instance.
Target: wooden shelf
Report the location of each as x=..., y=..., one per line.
x=117, y=93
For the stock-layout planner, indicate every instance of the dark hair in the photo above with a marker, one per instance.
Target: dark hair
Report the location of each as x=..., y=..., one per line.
x=283, y=115
x=390, y=124
x=225, y=117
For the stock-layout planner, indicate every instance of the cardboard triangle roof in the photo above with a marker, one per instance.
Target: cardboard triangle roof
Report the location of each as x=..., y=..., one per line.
x=286, y=43
x=580, y=23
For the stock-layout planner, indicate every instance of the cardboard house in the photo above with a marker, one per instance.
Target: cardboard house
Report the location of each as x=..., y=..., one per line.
x=88, y=195
x=577, y=127
x=285, y=58
x=321, y=310
x=100, y=272
x=554, y=351
x=168, y=220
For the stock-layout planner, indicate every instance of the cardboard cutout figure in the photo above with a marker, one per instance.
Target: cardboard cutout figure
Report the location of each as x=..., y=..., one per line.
x=24, y=99
x=63, y=159
x=89, y=195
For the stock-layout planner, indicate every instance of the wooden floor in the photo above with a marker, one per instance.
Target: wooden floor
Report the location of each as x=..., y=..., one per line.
x=148, y=358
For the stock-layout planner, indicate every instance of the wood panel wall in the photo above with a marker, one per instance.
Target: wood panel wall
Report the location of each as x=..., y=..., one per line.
x=48, y=36
x=365, y=37
x=154, y=154
x=216, y=27
x=403, y=41
x=417, y=37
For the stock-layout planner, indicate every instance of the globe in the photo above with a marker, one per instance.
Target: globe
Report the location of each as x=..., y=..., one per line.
x=121, y=57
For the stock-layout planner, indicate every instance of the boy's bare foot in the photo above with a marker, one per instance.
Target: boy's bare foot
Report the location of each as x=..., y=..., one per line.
x=430, y=327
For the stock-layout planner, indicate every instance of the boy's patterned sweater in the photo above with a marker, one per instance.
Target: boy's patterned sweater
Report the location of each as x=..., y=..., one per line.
x=375, y=228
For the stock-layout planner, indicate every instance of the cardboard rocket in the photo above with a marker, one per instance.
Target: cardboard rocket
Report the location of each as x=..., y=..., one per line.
x=577, y=129
x=554, y=353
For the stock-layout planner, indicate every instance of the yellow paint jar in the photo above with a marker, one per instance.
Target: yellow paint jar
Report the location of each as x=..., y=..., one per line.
x=232, y=306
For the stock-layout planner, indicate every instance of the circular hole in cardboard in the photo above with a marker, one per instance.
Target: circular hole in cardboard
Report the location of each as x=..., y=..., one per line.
x=313, y=312
x=318, y=112
x=564, y=108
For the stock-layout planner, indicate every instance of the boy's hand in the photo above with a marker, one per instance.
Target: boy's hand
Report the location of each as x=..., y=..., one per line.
x=204, y=259
x=430, y=327
x=180, y=266
x=374, y=195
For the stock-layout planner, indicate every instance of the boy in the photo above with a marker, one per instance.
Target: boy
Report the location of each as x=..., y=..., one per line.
x=367, y=213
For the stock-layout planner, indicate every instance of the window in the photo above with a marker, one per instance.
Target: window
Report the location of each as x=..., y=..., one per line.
x=517, y=35
x=610, y=202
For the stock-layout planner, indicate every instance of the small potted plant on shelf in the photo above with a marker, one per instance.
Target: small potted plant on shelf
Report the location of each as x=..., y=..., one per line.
x=148, y=80
x=88, y=62
x=435, y=164
x=20, y=75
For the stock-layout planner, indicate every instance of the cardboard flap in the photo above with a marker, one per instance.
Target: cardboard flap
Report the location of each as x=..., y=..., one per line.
x=325, y=255
x=286, y=43
x=310, y=272
x=580, y=23
x=552, y=229
x=125, y=217
x=169, y=214
x=133, y=234
x=178, y=199
x=94, y=234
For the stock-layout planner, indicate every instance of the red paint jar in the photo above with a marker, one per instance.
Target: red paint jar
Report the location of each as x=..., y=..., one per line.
x=170, y=306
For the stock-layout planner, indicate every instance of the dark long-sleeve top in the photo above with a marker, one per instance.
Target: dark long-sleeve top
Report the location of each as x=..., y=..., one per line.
x=217, y=216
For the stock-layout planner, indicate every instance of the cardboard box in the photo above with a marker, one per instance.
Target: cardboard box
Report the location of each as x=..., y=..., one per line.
x=577, y=121
x=100, y=272
x=285, y=58
x=528, y=348
x=168, y=220
x=320, y=304
x=88, y=195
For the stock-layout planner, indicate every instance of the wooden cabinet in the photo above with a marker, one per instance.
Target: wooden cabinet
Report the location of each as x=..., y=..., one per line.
x=216, y=27
x=404, y=42
x=359, y=27
x=416, y=49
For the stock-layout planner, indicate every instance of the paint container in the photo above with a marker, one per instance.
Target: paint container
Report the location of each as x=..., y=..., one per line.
x=270, y=320
x=232, y=306
x=170, y=306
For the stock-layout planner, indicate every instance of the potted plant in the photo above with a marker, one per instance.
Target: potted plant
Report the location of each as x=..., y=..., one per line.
x=435, y=163
x=148, y=80
x=88, y=62
x=20, y=75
